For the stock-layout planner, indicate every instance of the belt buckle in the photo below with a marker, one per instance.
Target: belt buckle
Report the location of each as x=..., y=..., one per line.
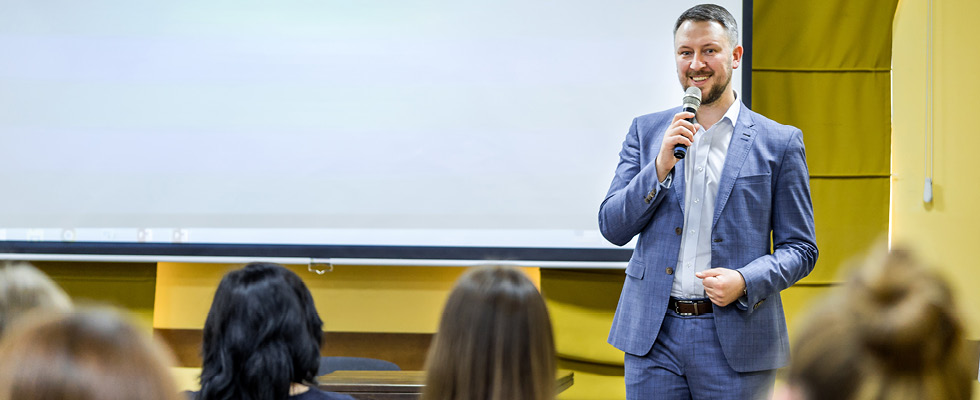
x=677, y=308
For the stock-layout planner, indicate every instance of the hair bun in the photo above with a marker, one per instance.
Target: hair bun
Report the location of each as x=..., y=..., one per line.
x=899, y=311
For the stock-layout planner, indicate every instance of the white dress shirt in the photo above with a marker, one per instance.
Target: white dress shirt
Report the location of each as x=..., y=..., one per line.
x=702, y=171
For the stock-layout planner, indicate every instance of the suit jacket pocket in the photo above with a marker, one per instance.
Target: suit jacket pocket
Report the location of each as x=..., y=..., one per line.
x=750, y=204
x=752, y=179
x=635, y=269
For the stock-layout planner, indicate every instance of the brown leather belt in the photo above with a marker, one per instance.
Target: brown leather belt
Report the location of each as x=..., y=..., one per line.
x=689, y=307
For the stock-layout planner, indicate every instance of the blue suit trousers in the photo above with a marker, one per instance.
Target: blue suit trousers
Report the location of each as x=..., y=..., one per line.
x=687, y=362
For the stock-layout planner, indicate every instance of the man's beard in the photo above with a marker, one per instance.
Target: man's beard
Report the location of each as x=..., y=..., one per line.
x=716, y=91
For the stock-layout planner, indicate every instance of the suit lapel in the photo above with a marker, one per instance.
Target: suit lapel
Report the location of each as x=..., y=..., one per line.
x=742, y=138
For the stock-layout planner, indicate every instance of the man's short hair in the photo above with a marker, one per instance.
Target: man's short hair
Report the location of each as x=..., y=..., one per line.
x=711, y=12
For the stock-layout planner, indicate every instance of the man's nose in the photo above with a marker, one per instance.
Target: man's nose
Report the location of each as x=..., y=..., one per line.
x=696, y=61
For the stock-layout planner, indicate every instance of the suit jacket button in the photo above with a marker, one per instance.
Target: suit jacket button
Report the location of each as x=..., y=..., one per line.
x=670, y=271
x=678, y=230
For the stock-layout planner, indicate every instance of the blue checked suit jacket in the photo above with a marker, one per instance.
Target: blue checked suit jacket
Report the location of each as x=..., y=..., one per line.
x=764, y=189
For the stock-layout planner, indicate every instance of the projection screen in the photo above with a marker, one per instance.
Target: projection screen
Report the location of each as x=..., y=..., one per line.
x=378, y=129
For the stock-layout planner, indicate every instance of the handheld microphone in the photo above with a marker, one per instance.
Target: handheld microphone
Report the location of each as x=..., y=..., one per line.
x=692, y=100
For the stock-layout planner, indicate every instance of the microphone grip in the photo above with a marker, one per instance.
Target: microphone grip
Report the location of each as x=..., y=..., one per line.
x=680, y=150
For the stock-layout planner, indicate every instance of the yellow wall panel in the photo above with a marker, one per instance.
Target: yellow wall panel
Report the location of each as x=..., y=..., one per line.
x=582, y=304
x=851, y=215
x=827, y=34
x=349, y=299
x=945, y=230
x=580, y=333
x=128, y=286
x=798, y=300
x=844, y=117
x=184, y=292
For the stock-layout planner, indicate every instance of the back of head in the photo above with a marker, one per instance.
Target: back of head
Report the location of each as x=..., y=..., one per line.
x=92, y=355
x=890, y=332
x=262, y=334
x=494, y=341
x=24, y=288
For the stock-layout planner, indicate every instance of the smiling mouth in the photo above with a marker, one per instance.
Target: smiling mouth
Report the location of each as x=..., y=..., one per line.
x=699, y=79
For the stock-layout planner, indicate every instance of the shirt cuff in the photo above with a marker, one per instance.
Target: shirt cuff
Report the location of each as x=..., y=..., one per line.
x=665, y=184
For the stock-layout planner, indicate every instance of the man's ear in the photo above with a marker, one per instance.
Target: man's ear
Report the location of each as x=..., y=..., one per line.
x=737, y=56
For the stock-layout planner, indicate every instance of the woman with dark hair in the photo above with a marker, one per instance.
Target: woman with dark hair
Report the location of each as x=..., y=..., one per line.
x=262, y=338
x=90, y=355
x=494, y=341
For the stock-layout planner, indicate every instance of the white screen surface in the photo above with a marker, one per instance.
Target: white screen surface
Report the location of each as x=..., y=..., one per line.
x=432, y=123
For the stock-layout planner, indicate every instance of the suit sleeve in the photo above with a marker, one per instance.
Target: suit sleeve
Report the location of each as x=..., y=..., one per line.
x=793, y=236
x=635, y=192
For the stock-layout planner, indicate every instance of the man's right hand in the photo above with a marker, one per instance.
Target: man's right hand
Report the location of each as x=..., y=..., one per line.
x=679, y=132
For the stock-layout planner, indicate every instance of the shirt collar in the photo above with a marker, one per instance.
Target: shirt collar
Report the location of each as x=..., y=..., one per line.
x=733, y=111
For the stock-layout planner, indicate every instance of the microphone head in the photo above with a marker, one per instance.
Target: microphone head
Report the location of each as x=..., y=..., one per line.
x=692, y=98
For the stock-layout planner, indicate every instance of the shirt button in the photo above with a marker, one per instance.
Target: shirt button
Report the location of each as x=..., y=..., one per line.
x=670, y=271
x=692, y=231
x=677, y=230
x=700, y=169
x=696, y=201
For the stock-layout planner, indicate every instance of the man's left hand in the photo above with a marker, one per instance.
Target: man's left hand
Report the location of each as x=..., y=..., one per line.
x=722, y=285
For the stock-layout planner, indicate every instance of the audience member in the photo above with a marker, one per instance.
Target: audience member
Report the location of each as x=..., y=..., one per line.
x=262, y=338
x=91, y=355
x=891, y=331
x=494, y=341
x=24, y=288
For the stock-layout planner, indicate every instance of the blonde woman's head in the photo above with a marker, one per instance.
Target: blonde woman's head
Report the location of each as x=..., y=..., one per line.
x=23, y=289
x=891, y=331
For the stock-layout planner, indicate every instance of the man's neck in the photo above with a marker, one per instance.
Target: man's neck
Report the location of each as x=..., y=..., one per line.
x=710, y=114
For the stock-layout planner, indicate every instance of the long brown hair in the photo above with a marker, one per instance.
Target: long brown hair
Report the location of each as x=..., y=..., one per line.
x=92, y=355
x=494, y=341
x=890, y=332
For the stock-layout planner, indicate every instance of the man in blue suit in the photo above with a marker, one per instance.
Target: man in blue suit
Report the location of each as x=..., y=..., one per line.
x=700, y=314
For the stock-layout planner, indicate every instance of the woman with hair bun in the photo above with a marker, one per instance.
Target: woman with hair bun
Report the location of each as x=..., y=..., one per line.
x=891, y=331
x=262, y=338
x=494, y=341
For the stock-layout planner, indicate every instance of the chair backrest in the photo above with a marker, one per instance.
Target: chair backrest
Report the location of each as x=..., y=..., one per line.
x=331, y=364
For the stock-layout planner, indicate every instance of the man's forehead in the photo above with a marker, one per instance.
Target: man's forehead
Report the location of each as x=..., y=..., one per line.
x=692, y=26
x=700, y=33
